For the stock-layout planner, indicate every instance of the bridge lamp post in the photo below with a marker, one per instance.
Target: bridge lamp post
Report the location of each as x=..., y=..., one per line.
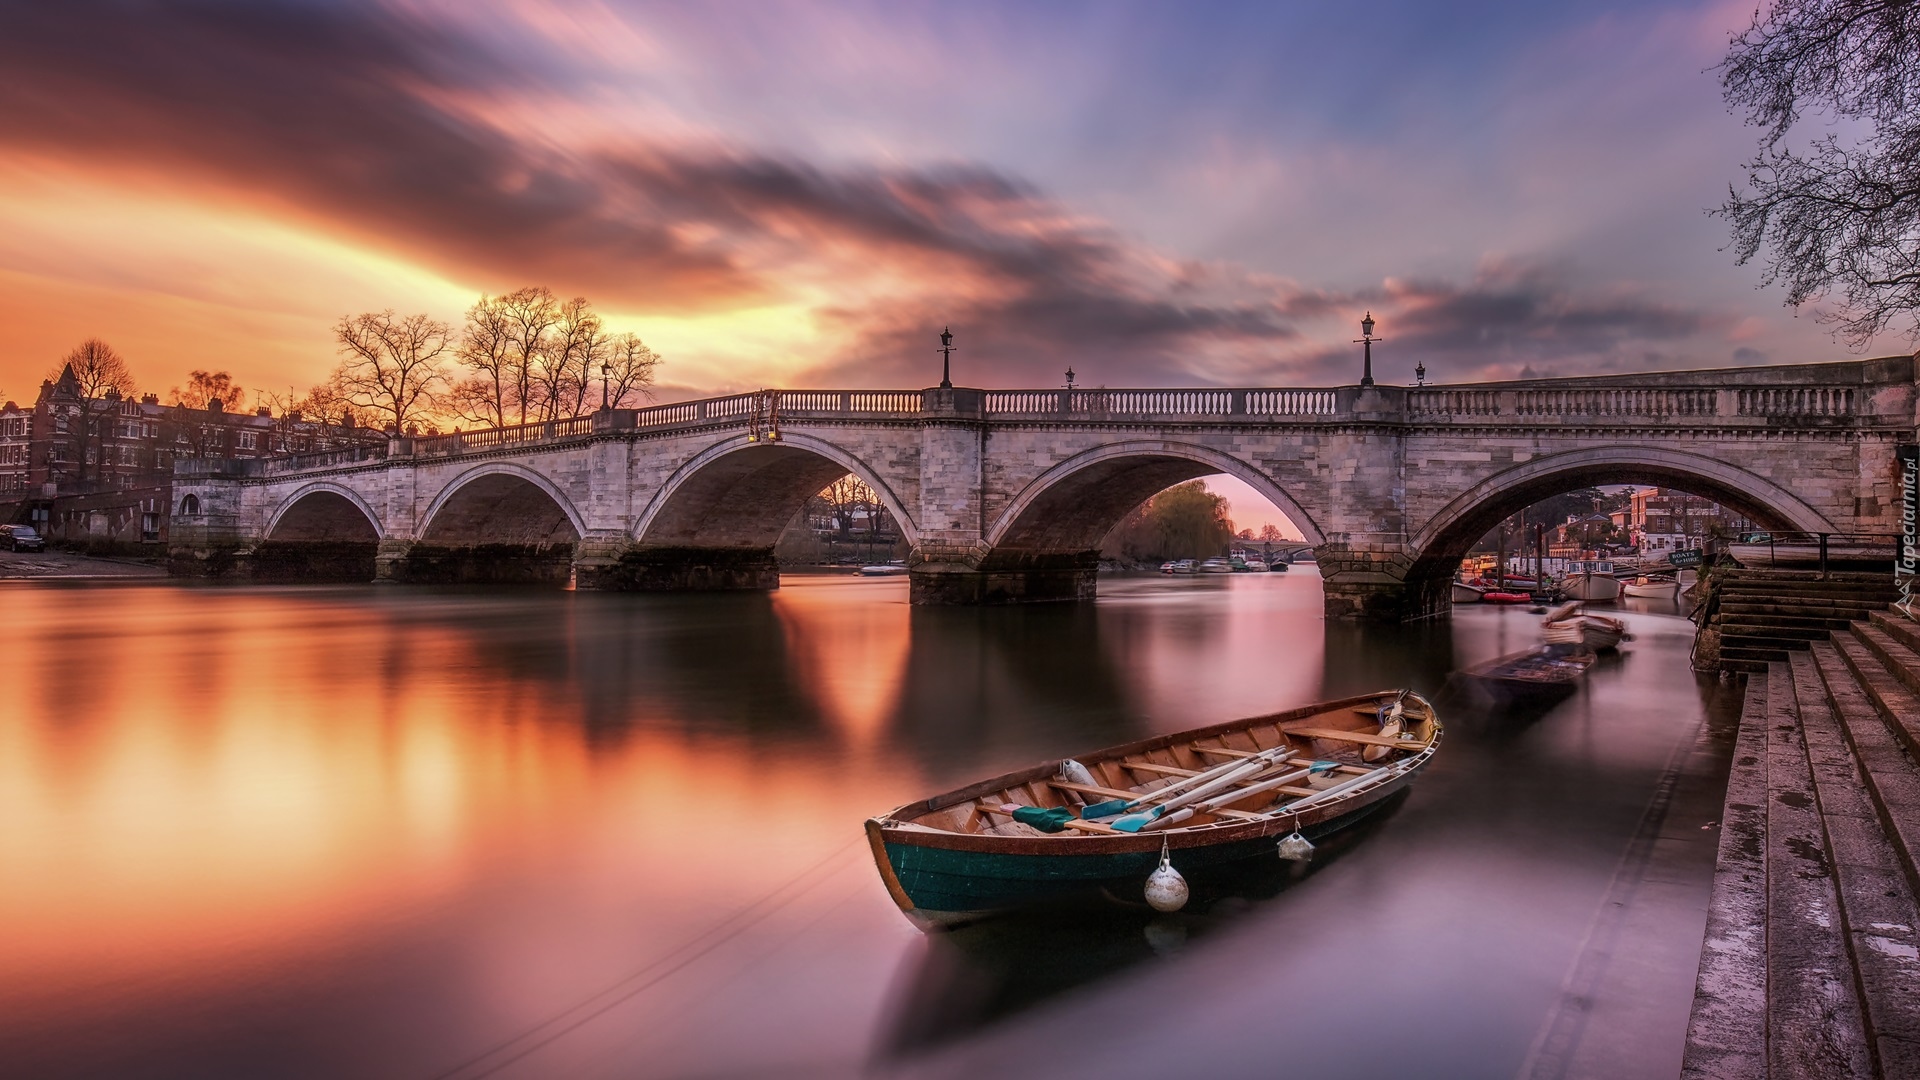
x=1366, y=340
x=606, y=376
x=946, y=358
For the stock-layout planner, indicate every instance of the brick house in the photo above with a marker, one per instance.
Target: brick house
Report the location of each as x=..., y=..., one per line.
x=99, y=474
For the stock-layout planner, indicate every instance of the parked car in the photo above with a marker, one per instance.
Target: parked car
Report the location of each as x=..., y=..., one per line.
x=22, y=538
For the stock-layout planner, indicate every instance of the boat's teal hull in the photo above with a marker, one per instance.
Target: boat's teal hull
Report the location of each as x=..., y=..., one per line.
x=945, y=886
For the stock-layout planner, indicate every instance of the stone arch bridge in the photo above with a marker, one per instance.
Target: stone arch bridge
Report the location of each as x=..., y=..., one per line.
x=1005, y=495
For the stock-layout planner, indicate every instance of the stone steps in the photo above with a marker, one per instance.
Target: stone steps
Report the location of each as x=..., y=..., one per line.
x=1771, y=631
x=1880, y=918
x=1753, y=654
x=1802, y=595
x=1811, y=963
x=1815, y=612
x=1897, y=627
x=1762, y=616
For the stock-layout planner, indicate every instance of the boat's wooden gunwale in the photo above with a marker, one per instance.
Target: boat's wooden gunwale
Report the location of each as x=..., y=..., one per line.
x=1219, y=832
x=899, y=827
x=1047, y=769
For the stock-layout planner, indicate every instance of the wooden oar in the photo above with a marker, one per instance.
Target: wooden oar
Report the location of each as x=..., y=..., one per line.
x=1180, y=787
x=1248, y=769
x=1214, y=804
x=1338, y=789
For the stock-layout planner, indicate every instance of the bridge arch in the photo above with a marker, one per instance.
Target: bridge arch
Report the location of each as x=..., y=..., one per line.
x=321, y=532
x=1469, y=515
x=484, y=501
x=1439, y=545
x=324, y=511
x=1073, y=505
x=498, y=522
x=742, y=495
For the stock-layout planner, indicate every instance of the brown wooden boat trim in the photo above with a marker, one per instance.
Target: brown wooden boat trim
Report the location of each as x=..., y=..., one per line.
x=1048, y=769
x=1228, y=826
x=1354, y=737
x=1223, y=832
x=887, y=876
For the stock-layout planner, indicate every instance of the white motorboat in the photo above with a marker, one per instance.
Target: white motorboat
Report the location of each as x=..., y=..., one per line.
x=1256, y=566
x=882, y=570
x=1464, y=593
x=1216, y=565
x=1590, y=580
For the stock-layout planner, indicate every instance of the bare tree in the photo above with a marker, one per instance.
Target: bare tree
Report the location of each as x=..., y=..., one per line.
x=99, y=375
x=486, y=351
x=392, y=365
x=629, y=369
x=205, y=387
x=529, y=315
x=1839, y=215
x=575, y=346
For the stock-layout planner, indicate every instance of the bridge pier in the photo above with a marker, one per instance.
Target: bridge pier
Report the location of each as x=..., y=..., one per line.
x=940, y=578
x=417, y=562
x=1379, y=584
x=614, y=567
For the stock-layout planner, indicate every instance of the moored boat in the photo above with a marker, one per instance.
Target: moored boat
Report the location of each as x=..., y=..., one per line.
x=1216, y=565
x=882, y=570
x=1653, y=587
x=1495, y=596
x=1569, y=625
x=1590, y=581
x=1535, y=676
x=1463, y=593
x=1106, y=820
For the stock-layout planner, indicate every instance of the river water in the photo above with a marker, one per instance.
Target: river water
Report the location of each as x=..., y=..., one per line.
x=398, y=832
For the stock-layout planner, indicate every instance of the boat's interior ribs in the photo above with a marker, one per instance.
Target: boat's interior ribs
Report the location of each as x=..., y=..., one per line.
x=1333, y=740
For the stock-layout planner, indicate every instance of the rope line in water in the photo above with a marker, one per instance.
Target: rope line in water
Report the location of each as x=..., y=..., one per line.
x=700, y=945
x=609, y=1062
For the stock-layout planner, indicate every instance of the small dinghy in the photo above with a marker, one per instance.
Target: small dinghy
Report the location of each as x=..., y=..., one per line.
x=1130, y=819
x=1569, y=625
x=1537, y=676
x=1653, y=587
x=1492, y=596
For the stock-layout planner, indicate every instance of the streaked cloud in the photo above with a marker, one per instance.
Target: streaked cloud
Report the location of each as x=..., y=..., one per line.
x=806, y=195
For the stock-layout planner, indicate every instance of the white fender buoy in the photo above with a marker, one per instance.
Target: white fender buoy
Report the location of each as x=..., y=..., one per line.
x=1075, y=773
x=1296, y=848
x=1166, y=889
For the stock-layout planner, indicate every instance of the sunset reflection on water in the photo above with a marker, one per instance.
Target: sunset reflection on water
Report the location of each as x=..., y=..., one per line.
x=377, y=832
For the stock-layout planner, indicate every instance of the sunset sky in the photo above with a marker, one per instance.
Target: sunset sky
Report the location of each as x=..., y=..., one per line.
x=803, y=194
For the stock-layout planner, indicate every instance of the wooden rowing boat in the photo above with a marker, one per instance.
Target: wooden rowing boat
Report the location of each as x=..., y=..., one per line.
x=1569, y=624
x=1653, y=587
x=1535, y=676
x=1222, y=793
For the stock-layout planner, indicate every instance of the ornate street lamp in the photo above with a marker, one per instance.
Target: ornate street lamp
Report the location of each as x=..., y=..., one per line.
x=946, y=358
x=606, y=374
x=1420, y=373
x=1069, y=378
x=1366, y=340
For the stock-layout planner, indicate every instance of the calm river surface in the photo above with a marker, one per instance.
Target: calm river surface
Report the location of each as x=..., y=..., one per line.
x=361, y=832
